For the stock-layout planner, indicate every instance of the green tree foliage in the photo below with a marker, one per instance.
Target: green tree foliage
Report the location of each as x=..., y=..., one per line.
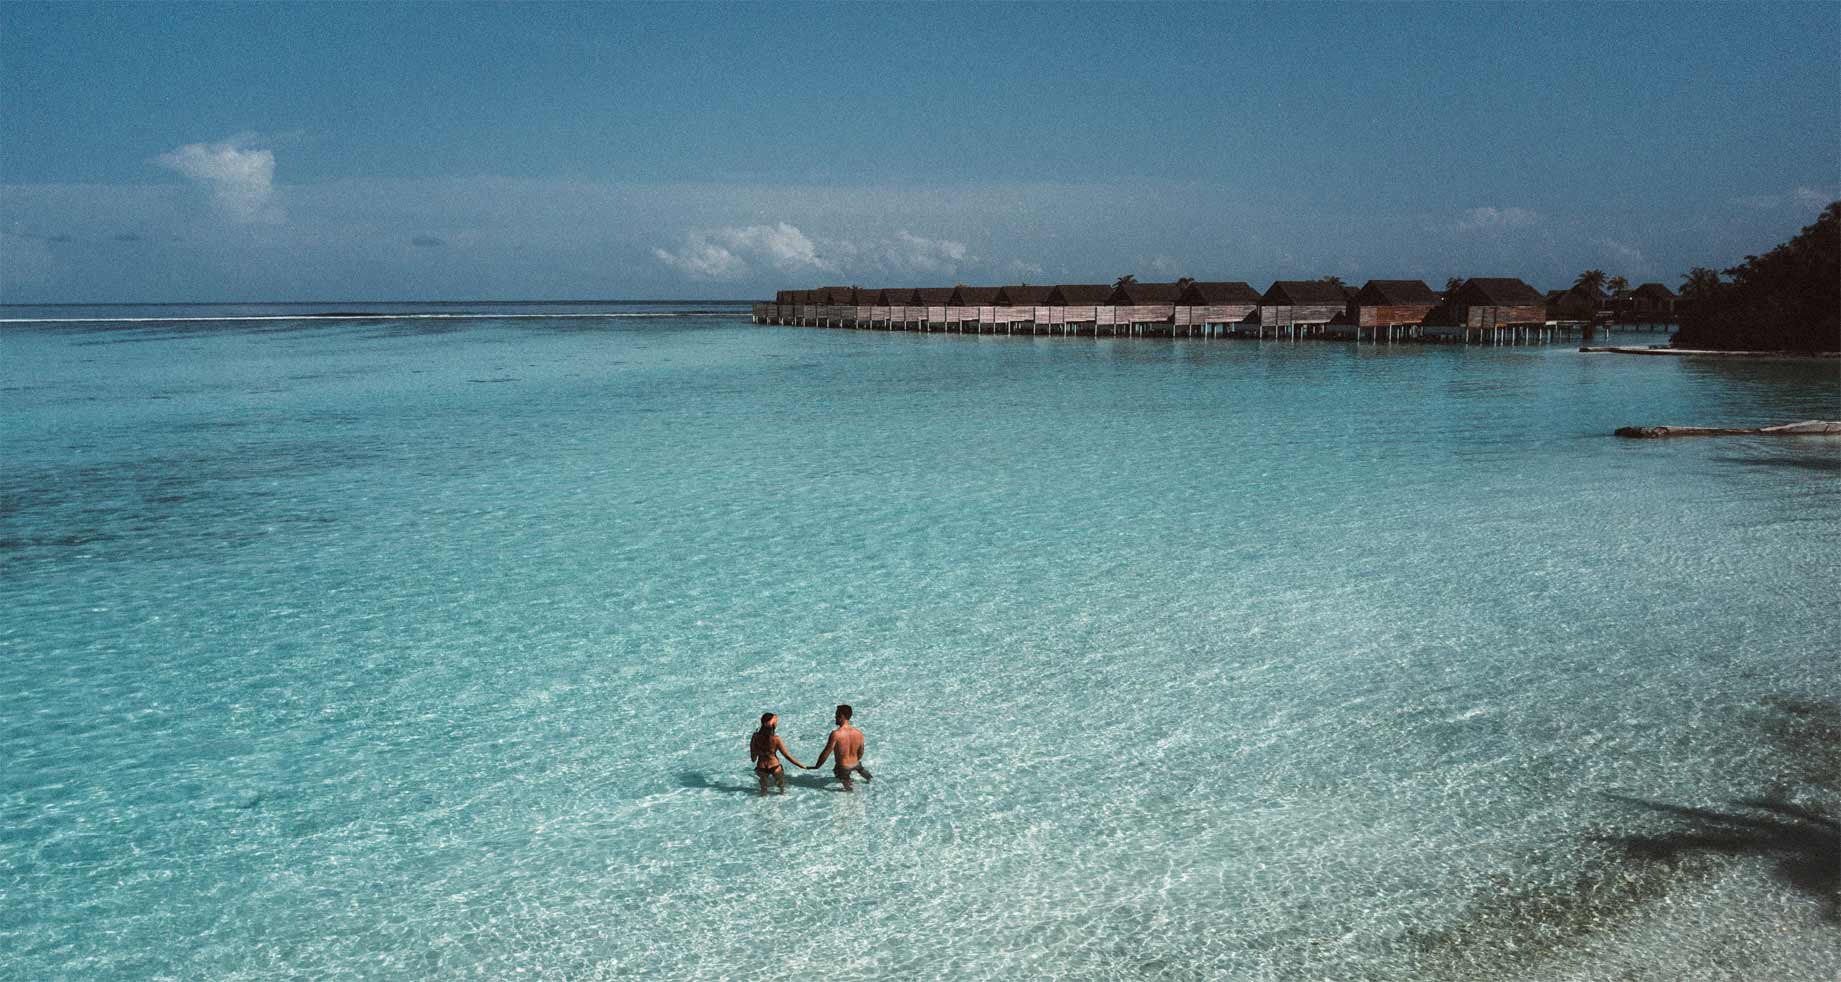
x=1699, y=284
x=1592, y=280
x=1788, y=299
x=1616, y=283
x=1126, y=280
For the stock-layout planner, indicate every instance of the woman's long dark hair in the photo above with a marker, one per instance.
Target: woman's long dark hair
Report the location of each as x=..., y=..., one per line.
x=761, y=744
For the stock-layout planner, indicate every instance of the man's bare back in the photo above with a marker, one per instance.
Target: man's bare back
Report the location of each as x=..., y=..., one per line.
x=846, y=742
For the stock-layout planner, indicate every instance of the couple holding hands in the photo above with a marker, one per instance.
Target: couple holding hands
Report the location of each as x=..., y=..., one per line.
x=765, y=748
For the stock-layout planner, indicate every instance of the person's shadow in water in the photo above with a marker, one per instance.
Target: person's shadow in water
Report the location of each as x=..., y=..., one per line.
x=703, y=782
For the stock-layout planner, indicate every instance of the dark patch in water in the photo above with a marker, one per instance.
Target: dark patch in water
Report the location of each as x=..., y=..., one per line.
x=1803, y=842
x=702, y=782
x=1522, y=917
x=1510, y=926
x=1807, y=735
x=1820, y=465
x=493, y=381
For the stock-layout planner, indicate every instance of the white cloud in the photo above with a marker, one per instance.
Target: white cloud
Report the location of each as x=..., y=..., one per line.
x=1160, y=266
x=1801, y=197
x=241, y=181
x=705, y=261
x=1812, y=197
x=732, y=253
x=910, y=253
x=737, y=252
x=1627, y=256
x=1026, y=270
x=1490, y=219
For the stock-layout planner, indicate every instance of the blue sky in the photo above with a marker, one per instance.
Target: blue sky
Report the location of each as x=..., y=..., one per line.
x=163, y=152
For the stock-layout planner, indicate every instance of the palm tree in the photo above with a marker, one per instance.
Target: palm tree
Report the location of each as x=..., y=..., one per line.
x=1126, y=280
x=1591, y=281
x=1453, y=284
x=1699, y=284
x=1184, y=282
x=1616, y=284
x=1331, y=280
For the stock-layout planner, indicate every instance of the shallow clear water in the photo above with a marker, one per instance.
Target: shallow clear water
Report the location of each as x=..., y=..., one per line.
x=407, y=649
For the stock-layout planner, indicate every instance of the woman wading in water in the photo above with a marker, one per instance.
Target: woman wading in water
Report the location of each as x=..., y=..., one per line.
x=765, y=748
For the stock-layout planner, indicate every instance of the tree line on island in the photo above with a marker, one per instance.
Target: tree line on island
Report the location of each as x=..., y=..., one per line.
x=1788, y=299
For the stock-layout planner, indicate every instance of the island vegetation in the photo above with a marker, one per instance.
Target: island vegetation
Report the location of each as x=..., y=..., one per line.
x=1788, y=299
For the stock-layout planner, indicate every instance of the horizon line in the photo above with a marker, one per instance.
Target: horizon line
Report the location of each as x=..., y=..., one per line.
x=296, y=303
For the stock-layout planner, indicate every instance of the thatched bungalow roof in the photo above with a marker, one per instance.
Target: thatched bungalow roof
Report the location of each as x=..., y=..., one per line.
x=1654, y=291
x=1348, y=293
x=1136, y=294
x=1079, y=295
x=973, y=296
x=933, y=296
x=1207, y=294
x=1298, y=292
x=846, y=295
x=893, y=296
x=1021, y=296
x=1394, y=293
x=1577, y=303
x=1498, y=291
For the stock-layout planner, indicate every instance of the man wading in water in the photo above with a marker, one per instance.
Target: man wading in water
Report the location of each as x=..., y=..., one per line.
x=847, y=742
x=765, y=748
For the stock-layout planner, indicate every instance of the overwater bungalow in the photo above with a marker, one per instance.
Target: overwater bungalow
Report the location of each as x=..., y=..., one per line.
x=836, y=305
x=1075, y=306
x=863, y=312
x=1018, y=307
x=970, y=307
x=1651, y=303
x=1496, y=308
x=1217, y=306
x=1578, y=304
x=1389, y=309
x=929, y=310
x=1144, y=308
x=1297, y=308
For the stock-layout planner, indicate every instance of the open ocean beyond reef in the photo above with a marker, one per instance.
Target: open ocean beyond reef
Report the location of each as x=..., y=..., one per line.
x=428, y=647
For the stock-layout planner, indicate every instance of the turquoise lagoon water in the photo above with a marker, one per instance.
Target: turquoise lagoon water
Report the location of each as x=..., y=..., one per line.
x=399, y=648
